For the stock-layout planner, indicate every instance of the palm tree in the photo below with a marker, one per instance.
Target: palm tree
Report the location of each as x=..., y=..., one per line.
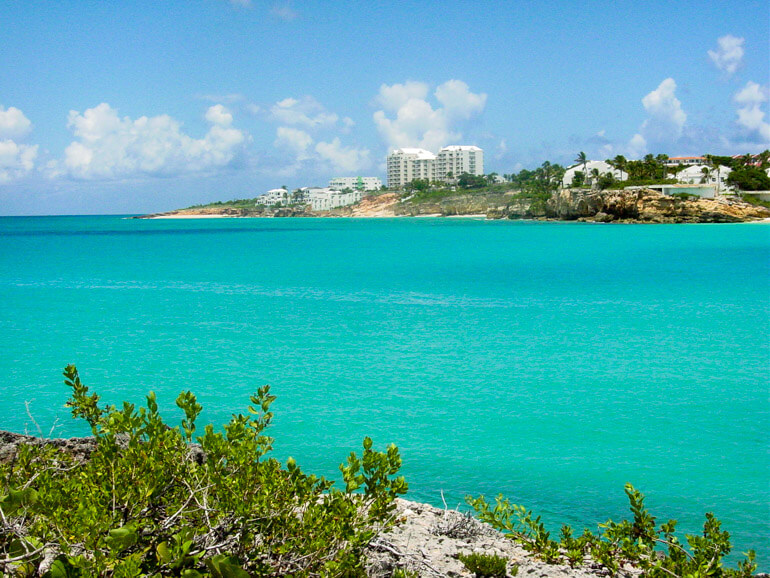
x=650, y=166
x=582, y=159
x=595, y=174
x=620, y=163
x=706, y=172
x=764, y=159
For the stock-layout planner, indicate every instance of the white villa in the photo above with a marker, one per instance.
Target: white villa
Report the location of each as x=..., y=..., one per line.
x=407, y=164
x=716, y=176
x=674, y=161
x=602, y=166
x=356, y=183
x=274, y=197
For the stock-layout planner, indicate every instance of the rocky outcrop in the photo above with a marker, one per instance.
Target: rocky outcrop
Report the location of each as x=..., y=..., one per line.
x=374, y=206
x=428, y=540
x=81, y=448
x=649, y=206
x=458, y=205
x=635, y=206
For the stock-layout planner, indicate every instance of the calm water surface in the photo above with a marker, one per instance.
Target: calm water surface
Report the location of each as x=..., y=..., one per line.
x=553, y=362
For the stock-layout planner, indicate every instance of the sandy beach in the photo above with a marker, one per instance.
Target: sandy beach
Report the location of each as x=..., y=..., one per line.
x=190, y=216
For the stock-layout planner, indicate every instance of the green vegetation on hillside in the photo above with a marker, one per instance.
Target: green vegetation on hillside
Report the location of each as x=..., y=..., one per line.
x=234, y=204
x=749, y=178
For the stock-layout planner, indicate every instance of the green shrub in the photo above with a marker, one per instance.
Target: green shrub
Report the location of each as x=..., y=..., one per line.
x=483, y=565
x=631, y=542
x=404, y=573
x=147, y=502
x=755, y=200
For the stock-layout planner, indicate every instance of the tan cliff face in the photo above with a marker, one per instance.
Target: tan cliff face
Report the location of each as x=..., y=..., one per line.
x=375, y=206
x=648, y=206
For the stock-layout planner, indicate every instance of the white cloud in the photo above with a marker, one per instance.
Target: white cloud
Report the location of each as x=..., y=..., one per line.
x=110, y=147
x=294, y=140
x=637, y=146
x=665, y=119
x=751, y=117
x=395, y=96
x=307, y=141
x=502, y=148
x=459, y=101
x=307, y=112
x=417, y=123
x=13, y=123
x=343, y=159
x=284, y=12
x=219, y=115
x=728, y=57
x=16, y=160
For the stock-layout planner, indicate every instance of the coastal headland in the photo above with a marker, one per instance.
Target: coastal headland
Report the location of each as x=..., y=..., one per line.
x=611, y=206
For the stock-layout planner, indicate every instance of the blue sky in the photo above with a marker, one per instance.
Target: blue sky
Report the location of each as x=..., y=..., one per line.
x=131, y=107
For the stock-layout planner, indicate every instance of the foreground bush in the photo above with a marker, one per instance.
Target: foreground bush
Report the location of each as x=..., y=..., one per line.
x=638, y=543
x=147, y=502
x=486, y=565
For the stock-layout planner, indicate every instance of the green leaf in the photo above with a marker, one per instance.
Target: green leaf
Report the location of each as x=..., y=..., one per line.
x=122, y=538
x=164, y=555
x=61, y=568
x=222, y=566
x=17, y=499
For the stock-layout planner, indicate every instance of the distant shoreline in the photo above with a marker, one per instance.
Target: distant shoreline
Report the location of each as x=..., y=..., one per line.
x=628, y=206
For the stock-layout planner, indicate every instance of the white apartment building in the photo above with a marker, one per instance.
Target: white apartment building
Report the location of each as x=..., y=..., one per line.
x=407, y=164
x=452, y=161
x=325, y=199
x=356, y=183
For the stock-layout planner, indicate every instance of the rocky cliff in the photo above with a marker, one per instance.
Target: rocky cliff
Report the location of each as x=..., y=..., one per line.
x=635, y=206
x=648, y=206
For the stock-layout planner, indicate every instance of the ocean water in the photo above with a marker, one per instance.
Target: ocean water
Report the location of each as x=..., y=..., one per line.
x=552, y=362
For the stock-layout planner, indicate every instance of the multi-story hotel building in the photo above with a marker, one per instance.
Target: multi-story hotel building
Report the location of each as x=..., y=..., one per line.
x=356, y=183
x=407, y=164
x=452, y=161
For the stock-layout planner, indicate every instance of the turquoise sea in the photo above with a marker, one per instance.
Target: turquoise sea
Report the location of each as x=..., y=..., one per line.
x=552, y=362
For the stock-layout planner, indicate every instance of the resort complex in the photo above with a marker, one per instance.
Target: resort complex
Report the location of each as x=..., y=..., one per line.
x=461, y=167
x=408, y=164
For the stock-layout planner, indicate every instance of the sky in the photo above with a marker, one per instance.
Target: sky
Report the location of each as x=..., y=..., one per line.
x=127, y=107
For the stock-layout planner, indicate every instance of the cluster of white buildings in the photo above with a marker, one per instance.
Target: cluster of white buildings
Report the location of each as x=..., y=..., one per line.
x=356, y=183
x=698, y=178
x=319, y=198
x=407, y=164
